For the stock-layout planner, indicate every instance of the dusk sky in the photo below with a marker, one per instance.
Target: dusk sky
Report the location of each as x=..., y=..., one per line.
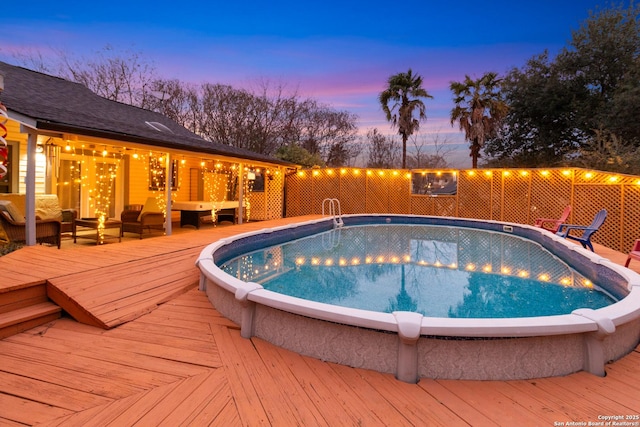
x=339, y=52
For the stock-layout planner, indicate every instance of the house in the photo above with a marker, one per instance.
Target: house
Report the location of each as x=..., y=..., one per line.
x=100, y=156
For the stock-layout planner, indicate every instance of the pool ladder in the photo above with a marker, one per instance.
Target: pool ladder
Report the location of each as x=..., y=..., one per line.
x=334, y=210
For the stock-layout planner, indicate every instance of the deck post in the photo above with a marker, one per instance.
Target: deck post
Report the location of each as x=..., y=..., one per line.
x=241, y=194
x=167, y=194
x=30, y=183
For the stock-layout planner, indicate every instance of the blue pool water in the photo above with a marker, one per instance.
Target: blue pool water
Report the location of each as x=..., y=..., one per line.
x=438, y=271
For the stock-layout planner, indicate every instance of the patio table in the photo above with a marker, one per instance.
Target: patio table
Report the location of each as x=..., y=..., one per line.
x=192, y=211
x=93, y=223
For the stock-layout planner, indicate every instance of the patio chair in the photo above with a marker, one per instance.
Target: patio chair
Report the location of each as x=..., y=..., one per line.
x=634, y=254
x=148, y=217
x=552, y=224
x=47, y=230
x=587, y=231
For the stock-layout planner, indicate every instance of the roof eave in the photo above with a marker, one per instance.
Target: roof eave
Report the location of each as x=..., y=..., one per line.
x=134, y=139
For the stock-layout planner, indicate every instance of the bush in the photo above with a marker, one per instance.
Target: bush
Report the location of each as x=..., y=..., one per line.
x=9, y=247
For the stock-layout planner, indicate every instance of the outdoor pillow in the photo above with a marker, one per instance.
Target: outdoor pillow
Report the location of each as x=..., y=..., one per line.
x=11, y=209
x=151, y=205
x=48, y=207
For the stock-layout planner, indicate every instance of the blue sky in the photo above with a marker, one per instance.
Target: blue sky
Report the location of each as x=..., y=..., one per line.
x=339, y=52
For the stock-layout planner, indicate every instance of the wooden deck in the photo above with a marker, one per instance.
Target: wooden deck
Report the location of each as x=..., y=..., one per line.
x=174, y=360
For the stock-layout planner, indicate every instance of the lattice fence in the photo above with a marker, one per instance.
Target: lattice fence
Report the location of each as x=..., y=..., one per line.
x=518, y=196
x=268, y=204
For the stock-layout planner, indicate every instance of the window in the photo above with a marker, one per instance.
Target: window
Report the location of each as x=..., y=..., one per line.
x=434, y=183
x=157, y=172
x=257, y=183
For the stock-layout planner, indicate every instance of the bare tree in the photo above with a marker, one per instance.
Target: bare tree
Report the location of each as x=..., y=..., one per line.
x=35, y=60
x=229, y=115
x=111, y=75
x=261, y=120
x=176, y=100
x=428, y=152
x=383, y=150
x=330, y=133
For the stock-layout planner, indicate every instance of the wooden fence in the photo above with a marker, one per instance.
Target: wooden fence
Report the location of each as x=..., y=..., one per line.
x=511, y=195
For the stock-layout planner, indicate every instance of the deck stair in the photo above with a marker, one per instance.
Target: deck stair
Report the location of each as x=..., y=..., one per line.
x=25, y=308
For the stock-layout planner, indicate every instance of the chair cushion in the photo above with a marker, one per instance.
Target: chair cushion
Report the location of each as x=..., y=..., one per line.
x=151, y=205
x=13, y=212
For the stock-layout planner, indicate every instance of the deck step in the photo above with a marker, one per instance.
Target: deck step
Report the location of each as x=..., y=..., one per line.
x=21, y=319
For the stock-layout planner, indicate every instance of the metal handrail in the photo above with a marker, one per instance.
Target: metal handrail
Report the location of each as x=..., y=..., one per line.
x=335, y=211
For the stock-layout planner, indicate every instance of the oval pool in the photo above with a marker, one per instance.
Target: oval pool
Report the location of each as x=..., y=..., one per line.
x=452, y=261
x=433, y=270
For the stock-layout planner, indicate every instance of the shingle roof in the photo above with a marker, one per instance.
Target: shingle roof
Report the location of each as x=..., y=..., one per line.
x=63, y=106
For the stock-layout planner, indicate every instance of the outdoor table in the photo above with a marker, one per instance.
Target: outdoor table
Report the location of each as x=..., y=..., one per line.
x=92, y=223
x=192, y=211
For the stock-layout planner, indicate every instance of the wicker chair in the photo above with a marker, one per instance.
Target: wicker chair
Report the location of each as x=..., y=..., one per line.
x=47, y=231
x=137, y=219
x=68, y=216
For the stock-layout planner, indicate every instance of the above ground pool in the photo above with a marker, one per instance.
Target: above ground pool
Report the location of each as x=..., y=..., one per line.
x=434, y=270
x=427, y=296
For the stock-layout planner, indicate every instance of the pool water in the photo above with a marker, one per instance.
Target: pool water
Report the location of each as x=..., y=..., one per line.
x=438, y=271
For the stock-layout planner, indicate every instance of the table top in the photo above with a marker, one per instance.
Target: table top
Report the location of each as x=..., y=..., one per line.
x=91, y=222
x=199, y=205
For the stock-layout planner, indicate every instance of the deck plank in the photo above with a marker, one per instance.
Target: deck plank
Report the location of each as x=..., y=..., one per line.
x=245, y=396
x=203, y=404
x=412, y=401
x=355, y=409
x=317, y=393
x=112, y=386
x=27, y=412
x=389, y=411
x=97, y=351
x=55, y=395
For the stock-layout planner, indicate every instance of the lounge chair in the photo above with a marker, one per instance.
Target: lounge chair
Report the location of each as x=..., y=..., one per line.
x=148, y=217
x=634, y=254
x=587, y=231
x=553, y=224
x=47, y=230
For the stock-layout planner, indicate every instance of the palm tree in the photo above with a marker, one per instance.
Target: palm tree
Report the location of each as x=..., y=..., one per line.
x=405, y=90
x=479, y=110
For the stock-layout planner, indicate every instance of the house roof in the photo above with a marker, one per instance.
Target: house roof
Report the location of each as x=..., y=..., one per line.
x=60, y=105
